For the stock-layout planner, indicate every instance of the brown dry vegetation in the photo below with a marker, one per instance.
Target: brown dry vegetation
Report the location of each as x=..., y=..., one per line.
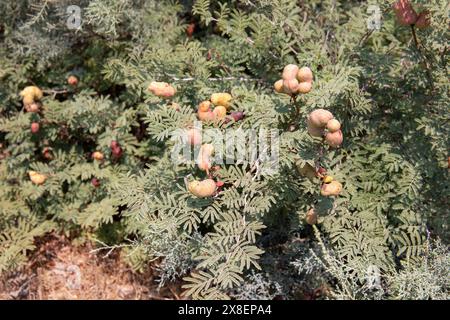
x=59, y=270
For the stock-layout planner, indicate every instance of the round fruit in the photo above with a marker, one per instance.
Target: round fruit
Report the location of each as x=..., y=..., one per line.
x=36, y=177
x=204, y=106
x=194, y=137
x=35, y=127
x=28, y=100
x=320, y=117
x=333, y=125
x=237, y=115
x=311, y=216
x=72, y=80
x=95, y=182
x=205, y=116
x=202, y=189
x=313, y=130
x=334, y=139
x=190, y=29
x=327, y=179
x=290, y=86
x=304, y=74
x=290, y=72
x=304, y=87
x=278, y=86
x=47, y=153
x=405, y=13
x=219, y=112
x=333, y=188
x=33, y=107
x=114, y=144
x=423, y=21
x=162, y=89
x=97, y=155
x=33, y=92
x=221, y=99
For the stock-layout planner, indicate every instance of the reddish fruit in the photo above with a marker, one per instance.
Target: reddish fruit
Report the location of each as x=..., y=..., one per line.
x=194, y=136
x=319, y=118
x=33, y=107
x=237, y=115
x=334, y=139
x=205, y=116
x=95, y=182
x=333, y=188
x=114, y=144
x=204, y=106
x=322, y=171
x=219, y=112
x=35, y=127
x=311, y=216
x=404, y=12
x=47, y=153
x=72, y=80
x=190, y=29
x=423, y=21
x=219, y=184
x=290, y=86
x=117, y=152
x=97, y=155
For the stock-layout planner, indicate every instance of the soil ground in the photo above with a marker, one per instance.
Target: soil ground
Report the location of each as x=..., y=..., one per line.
x=59, y=270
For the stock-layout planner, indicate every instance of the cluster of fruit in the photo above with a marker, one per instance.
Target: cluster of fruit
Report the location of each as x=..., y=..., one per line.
x=294, y=80
x=321, y=119
x=207, y=187
x=222, y=103
x=31, y=97
x=162, y=89
x=406, y=15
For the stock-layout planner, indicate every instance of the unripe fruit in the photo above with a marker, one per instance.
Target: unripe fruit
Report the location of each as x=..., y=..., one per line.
x=36, y=177
x=333, y=188
x=333, y=125
x=304, y=74
x=97, y=155
x=304, y=87
x=219, y=112
x=72, y=80
x=194, y=137
x=404, y=12
x=95, y=182
x=311, y=216
x=423, y=21
x=290, y=86
x=290, y=72
x=33, y=107
x=327, y=179
x=278, y=86
x=35, y=127
x=320, y=117
x=334, y=139
x=221, y=99
x=202, y=189
x=162, y=89
x=204, y=106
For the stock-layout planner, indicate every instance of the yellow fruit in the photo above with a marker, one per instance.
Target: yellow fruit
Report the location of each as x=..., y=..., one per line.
x=220, y=112
x=97, y=155
x=290, y=86
x=278, y=86
x=28, y=100
x=202, y=189
x=334, y=139
x=327, y=179
x=290, y=72
x=333, y=125
x=221, y=99
x=36, y=177
x=311, y=216
x=304, y=74
x=32, y=91
x=320, y=117
x=204, y=106
x=304, y=87
x=162, y=89
x=194, y=136
x=333, y=188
